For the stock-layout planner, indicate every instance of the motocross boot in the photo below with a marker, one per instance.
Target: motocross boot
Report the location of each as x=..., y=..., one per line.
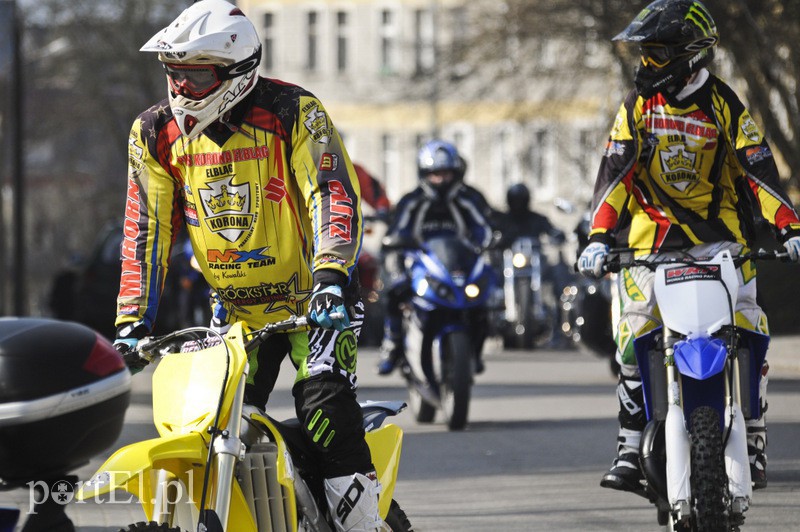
x=626, y=473
x=393, y=348
x=756, y=450
x=392, y=352
x=353, y=502
x=757, y=437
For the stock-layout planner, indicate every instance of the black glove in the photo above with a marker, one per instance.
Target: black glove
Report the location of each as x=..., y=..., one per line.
x=125, y=344
x=127, y=348
x=327, y=299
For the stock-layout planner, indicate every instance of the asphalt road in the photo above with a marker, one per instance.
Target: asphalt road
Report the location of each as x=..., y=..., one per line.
x=541, y=434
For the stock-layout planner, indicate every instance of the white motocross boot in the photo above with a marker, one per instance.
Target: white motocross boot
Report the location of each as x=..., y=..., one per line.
x=353, y=502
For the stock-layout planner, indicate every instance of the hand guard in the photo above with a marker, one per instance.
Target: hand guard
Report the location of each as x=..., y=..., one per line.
x=592, y=260
x=793, y=248
x=327, y=299
x=127, y=348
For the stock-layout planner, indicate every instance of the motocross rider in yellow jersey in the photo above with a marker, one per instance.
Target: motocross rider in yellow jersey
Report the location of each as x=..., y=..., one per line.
x=259, y=175
x=684, y=169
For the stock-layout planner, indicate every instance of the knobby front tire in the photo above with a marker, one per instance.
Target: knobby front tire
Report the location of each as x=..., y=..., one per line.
x=709, y=481
x=397, y=520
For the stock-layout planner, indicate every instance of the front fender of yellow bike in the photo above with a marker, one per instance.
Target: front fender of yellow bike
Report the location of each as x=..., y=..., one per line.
x=135, y=469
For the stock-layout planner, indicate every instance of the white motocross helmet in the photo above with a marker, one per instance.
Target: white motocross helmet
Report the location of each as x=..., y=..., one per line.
x=211, y=54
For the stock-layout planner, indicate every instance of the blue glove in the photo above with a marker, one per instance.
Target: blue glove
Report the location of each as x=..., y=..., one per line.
x=325, y=300
x=127, y=348
x=593, y=259
x=793, y=248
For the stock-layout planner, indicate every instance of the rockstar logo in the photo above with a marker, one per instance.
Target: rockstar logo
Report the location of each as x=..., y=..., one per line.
x=295, y=303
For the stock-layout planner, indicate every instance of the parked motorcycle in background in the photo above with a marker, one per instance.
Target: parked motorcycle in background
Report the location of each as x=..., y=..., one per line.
x=589, y=308
x=446, y=324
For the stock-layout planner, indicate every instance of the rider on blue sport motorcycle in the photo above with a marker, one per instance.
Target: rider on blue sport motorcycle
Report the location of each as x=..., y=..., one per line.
x=687, y=163
x=442, y=204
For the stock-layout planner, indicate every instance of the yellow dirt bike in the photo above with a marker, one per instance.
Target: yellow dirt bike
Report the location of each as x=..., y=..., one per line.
x=200, y=475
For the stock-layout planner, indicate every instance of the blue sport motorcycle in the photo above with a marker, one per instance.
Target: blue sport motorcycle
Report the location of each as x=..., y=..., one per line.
x=446, y=324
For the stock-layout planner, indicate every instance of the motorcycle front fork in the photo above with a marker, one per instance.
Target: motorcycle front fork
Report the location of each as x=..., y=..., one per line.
x=228, y=450
x=679, y=446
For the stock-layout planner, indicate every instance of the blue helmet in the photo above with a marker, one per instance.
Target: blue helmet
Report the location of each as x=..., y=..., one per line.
x=438, y=155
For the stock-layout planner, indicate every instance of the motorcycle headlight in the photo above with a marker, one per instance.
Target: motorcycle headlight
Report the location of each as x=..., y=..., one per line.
x=519, y=260
x=472, y=290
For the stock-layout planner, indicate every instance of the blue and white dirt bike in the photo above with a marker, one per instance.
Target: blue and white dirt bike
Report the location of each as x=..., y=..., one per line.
x=701, y=375
x=446, y=324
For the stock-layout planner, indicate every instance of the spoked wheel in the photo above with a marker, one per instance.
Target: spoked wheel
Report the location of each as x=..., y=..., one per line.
x=709, y=481
x=457, y=378
x=152, y=526
x=397, y=519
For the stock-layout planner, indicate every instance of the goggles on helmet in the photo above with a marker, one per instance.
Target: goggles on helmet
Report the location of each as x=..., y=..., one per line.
x=192, y=81
x=658, y=55
x=196, y=81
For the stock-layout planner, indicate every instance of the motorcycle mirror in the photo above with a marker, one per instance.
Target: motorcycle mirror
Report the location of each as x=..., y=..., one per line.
x=564, y=205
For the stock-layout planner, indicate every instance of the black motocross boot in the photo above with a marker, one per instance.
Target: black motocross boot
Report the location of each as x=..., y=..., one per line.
x=626, y=473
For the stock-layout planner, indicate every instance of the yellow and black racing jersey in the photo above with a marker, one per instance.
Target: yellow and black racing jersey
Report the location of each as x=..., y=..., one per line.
x=675, y=176
x=268, y=196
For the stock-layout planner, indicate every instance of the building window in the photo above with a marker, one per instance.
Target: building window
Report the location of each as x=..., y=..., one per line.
x=541, y=159
x=424, y=42
x=538, y=160
x=390, y=163
x=268, y=33
x=312, y=31
x=586, y=158
x=504, y=158
x=341, y=41
x=388, y=45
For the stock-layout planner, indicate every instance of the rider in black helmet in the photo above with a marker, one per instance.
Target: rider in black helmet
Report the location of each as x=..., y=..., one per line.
x=677, y=38
x=689, y=164
x=520, y=220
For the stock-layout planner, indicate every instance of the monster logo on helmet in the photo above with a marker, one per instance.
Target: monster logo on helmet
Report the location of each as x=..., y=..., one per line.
x=676, y=39
x=211, y=54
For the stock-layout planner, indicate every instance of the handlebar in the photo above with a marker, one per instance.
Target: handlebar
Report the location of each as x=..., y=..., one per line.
x=615, y=264
x=205, y=337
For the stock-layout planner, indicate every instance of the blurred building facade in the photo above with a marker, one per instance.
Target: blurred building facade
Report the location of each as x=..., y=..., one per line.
x=393, y=73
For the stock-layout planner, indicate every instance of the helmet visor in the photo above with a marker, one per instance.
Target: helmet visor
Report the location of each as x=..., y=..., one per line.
x=192, y=81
